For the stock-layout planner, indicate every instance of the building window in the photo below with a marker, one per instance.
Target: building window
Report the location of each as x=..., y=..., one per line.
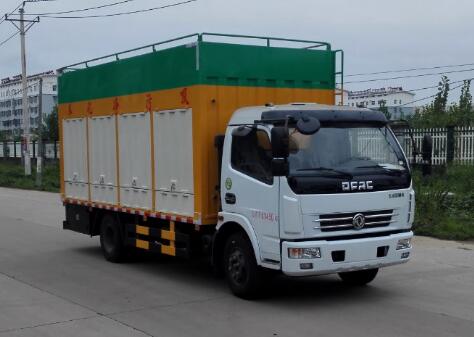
x=55, y=87
x=373, y=102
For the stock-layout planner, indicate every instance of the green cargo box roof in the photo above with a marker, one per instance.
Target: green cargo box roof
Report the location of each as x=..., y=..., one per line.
x=202, y=62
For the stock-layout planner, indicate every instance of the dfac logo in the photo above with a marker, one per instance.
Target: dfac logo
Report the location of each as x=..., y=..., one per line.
x=357, y=185
x=358, y=221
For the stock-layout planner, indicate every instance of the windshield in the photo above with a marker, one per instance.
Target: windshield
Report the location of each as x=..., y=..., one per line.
x=345, y=152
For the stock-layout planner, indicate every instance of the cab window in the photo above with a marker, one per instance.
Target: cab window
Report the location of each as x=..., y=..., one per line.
x=252, y=155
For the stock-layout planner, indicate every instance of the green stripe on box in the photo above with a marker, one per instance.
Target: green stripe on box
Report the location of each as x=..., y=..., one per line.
x=219, y=64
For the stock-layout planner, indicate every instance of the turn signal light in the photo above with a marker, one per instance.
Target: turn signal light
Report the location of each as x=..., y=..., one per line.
x=404, y=244
x=304, y=253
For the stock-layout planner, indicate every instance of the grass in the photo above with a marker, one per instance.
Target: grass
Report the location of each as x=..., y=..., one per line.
x=445, y=203
x=12, y=175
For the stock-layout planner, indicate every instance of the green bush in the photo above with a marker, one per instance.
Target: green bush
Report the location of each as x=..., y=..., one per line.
x=445, y=203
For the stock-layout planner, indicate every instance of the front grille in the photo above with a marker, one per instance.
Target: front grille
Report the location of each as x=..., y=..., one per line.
x=343, y=221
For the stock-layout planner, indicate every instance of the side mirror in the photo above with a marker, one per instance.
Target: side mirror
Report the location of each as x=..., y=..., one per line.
x=280, y=167
x=242, y=131
x=308, y=125
x=426, y=153
x=280, y=142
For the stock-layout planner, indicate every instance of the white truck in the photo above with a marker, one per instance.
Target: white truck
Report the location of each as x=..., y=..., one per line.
x=171, y=164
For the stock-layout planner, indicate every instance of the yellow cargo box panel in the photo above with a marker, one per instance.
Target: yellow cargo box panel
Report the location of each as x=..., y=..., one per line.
x=138, y=134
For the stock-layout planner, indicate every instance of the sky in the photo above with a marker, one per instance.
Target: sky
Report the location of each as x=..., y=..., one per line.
x=375, y=35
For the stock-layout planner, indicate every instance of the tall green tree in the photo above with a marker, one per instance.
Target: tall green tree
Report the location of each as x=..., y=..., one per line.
x=441, y=100
x=50, y=128
x=466, y=114
x=437, y=113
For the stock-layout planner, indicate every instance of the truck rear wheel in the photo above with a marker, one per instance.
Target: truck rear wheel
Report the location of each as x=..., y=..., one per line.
x=359, y=277
x=111, y=241
x=240, y=267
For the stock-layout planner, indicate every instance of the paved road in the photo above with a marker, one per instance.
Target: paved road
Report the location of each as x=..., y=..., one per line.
x=56, y=283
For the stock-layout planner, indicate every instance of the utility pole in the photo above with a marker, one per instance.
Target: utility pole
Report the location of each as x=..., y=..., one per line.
x=24, y=84
x=39, y=153
x=26, y=112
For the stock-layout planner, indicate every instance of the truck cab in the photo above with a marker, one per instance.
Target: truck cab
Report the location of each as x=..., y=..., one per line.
x=312, y=189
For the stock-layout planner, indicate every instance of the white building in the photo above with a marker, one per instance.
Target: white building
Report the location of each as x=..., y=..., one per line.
x=11, y=97
x=398, y=101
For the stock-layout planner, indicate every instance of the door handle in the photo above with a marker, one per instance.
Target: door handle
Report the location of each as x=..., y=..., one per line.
x=230, y=198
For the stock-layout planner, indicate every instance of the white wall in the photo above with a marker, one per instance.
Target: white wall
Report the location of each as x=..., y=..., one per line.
x=14, y=90
x=391, y=100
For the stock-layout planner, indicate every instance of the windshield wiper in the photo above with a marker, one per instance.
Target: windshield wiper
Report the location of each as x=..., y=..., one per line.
x=382, y=167
x=338, y=172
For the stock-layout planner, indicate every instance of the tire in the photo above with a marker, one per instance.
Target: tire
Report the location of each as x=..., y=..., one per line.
x=111, y=241
x=244, y=276
x=359, y=277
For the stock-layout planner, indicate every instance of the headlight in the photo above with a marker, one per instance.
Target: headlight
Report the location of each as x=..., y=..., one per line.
x=304, y=253
x=403, y=244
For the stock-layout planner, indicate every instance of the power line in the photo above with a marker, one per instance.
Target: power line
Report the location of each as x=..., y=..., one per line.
x=84, y=9
x=8, y=39
x=3, y=19
x=118, y=14
x=431, y=96
x=437, y=86
x=411, y=69
x=434, y=95
x=410, y=76
x=17, y=7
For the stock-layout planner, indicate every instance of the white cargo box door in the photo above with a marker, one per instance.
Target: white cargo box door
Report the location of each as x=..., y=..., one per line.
x=173, y=144
x=103, y=159
x=75, y=158
x=135, y=160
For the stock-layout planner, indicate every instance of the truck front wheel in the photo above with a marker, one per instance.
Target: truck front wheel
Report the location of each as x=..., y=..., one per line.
x=241, y=270
x=111, y=242
x=359, y=277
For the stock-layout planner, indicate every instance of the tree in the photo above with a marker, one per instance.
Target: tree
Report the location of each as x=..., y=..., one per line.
x=466, y=114
x=441, y=114
x=383, y=108
x=437, y=113
x=441, y=100
x=50, y=126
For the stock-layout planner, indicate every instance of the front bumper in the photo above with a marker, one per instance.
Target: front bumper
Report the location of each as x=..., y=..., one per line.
x=358, y=254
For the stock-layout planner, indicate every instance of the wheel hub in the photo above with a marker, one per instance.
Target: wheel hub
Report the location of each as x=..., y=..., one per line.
x=237, y=267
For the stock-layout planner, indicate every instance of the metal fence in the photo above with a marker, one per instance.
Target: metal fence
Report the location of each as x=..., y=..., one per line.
x=13, y=149
x=452, y=144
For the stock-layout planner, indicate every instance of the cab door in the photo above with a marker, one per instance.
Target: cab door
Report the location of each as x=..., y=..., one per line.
x=248, y=187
